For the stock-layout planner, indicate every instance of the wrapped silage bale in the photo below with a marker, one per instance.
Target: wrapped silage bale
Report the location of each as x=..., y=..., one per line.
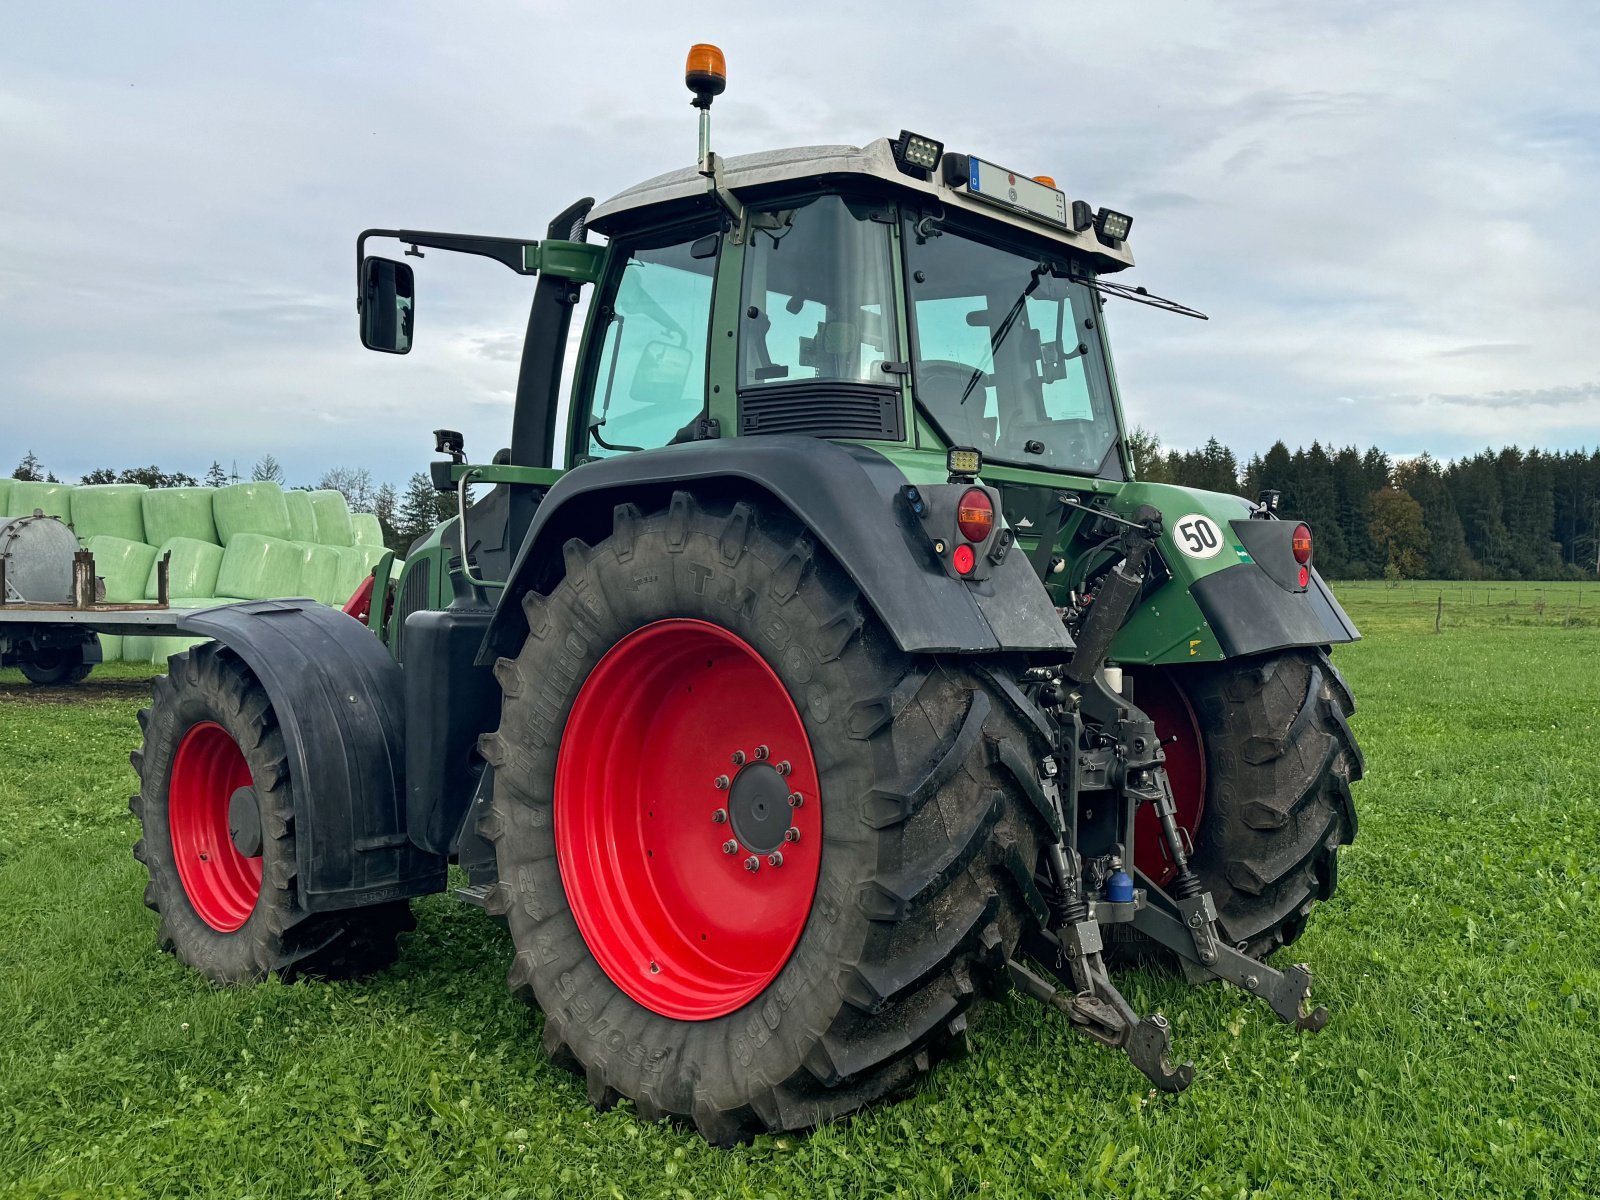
x=250, y=508
x=136, y=647
x=302, y=519
x=191, y=572
x=333, y=517
x=124, y=565
x=27, y=495
x=365, y=529
x=110, y=646
x=162, y=648
x=352, y=570
x=5, y=495
x=257, y=567
x=180, y=512
x=109, y=510
x=319, y=574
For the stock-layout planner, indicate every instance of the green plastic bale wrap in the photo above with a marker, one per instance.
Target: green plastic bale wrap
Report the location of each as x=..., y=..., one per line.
x=353, y=569
x=55, y=499
x=302, y=517
x=181, y=512
x=250, y=508
x=109, y=510
x=202, y=601
x=110, y=646
x=136, y=647
x=365, y=529
x=124, y=565
x=5, y=496
x=192, y=571
x=319, y=574
x=258, y=567
x=333, y=518
x=162, y=648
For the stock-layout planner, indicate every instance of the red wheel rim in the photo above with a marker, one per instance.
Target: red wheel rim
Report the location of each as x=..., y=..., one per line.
x=1174, y=718
x=682, y=740
x=222, y=884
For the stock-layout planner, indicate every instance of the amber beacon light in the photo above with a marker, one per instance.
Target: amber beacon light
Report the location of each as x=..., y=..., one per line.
x=706, y=73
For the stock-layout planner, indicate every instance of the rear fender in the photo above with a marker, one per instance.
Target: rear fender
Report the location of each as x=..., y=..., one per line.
x=847, y=496
x=340, y=703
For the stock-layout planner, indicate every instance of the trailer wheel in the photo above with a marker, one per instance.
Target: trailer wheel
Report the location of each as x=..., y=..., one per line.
x=1261, y=771
x=216, y=808
x=62, y=665
x=758, y=865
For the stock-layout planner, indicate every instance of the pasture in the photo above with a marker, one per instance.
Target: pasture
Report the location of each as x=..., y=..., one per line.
x=1459, y=959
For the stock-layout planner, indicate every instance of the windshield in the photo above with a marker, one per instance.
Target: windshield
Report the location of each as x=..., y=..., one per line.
x=1009, y=357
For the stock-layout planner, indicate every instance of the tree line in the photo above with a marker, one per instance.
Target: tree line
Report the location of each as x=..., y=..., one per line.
x=404, y=516
x=1497, y=514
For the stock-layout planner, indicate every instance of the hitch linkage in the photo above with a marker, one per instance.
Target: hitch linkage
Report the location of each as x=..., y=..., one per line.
x=1184, y=920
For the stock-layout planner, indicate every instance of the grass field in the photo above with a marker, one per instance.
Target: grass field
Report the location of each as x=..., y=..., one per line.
x=1461, y=959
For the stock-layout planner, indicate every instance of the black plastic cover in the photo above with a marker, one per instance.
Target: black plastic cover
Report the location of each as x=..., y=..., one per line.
x=1250, y=614
x=340, y=703
x=450, y=700
x=1271, y=545
x=846, y=495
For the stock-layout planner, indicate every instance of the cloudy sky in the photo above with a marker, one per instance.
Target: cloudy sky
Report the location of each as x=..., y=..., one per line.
x=1389, y=209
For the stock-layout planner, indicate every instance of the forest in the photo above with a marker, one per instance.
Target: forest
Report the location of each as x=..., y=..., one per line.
x=1498, y=514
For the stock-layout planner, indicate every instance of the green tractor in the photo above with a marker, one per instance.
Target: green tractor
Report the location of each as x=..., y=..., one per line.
x=844, y=678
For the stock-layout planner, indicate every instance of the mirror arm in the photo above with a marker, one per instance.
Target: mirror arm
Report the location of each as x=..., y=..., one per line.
x=520, y=255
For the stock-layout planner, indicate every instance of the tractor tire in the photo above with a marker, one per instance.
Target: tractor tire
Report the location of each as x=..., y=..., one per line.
x=57, y=667
x=222, y=872
x=1278, y=762
x=758, y=865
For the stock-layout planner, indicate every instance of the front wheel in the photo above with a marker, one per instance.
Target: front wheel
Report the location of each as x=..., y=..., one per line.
x=759, y=866
x=1261, y=763
x=216, y=810
x=59, y=666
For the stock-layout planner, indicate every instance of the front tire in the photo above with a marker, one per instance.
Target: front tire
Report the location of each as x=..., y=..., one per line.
x=60, y=666
x=216, y=810
x=1268, y=740
x=723, y=987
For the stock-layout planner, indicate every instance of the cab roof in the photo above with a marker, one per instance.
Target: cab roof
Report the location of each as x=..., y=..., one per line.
x=685, y=188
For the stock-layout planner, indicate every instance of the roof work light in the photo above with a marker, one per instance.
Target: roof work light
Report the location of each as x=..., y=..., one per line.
x=915, y=154
x=1112, y=226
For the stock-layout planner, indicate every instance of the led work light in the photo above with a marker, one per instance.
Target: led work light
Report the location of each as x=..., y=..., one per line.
x=915, y=154
x=1112, y=226
x=963, y=460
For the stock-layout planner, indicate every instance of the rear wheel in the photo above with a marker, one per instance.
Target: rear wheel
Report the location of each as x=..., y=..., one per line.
x=757, y=864
x=1261, y=766
x=216, y=808
x=63, y=665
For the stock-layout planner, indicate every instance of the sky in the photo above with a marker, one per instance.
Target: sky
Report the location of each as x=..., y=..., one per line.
x=1390, y=210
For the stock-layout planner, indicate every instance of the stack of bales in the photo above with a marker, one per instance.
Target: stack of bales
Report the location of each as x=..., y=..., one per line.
x=251, y=541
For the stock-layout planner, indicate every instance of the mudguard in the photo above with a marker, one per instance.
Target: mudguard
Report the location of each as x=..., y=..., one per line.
x=340, y=703
x=847, y=495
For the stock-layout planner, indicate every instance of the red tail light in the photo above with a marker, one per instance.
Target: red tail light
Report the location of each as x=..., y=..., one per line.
x=975, y=515
x=963, y=559
x=1301, y=543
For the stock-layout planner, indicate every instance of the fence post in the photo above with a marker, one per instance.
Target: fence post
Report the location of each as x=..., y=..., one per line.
x=1438, y=613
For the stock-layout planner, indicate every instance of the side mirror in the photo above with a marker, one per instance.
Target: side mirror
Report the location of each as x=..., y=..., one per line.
x=386, y=304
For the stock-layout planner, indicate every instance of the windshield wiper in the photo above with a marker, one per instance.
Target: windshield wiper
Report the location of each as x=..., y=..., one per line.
x=1140, y=296
x=1005, y=326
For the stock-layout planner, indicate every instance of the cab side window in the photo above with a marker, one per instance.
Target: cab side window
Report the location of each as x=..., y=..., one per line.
x=650, y=379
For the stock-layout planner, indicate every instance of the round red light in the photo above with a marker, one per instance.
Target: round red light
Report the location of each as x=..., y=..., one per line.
x=963, y=559
x=1301, y=543
x=975, y=515
x=1305, y=576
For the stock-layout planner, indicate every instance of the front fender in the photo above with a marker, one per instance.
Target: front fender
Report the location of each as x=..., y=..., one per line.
x=340, y=704
x=846, y=495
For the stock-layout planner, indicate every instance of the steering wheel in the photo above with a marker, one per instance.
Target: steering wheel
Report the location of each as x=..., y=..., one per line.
x=940, y=383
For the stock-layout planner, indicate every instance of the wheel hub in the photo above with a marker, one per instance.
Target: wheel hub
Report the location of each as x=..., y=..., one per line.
x=758, y=806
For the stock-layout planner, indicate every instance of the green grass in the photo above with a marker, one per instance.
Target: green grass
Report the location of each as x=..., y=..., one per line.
x=1459, y=959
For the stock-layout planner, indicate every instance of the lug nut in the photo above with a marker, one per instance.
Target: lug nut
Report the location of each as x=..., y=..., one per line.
x=761, y=753
x=720, y=816
x=720, y=783
x=775, y=859
x=729, y=846
x=791, y=834
x=738, y=758
x=796, y=799
x=783, y=767
x=752, y=863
